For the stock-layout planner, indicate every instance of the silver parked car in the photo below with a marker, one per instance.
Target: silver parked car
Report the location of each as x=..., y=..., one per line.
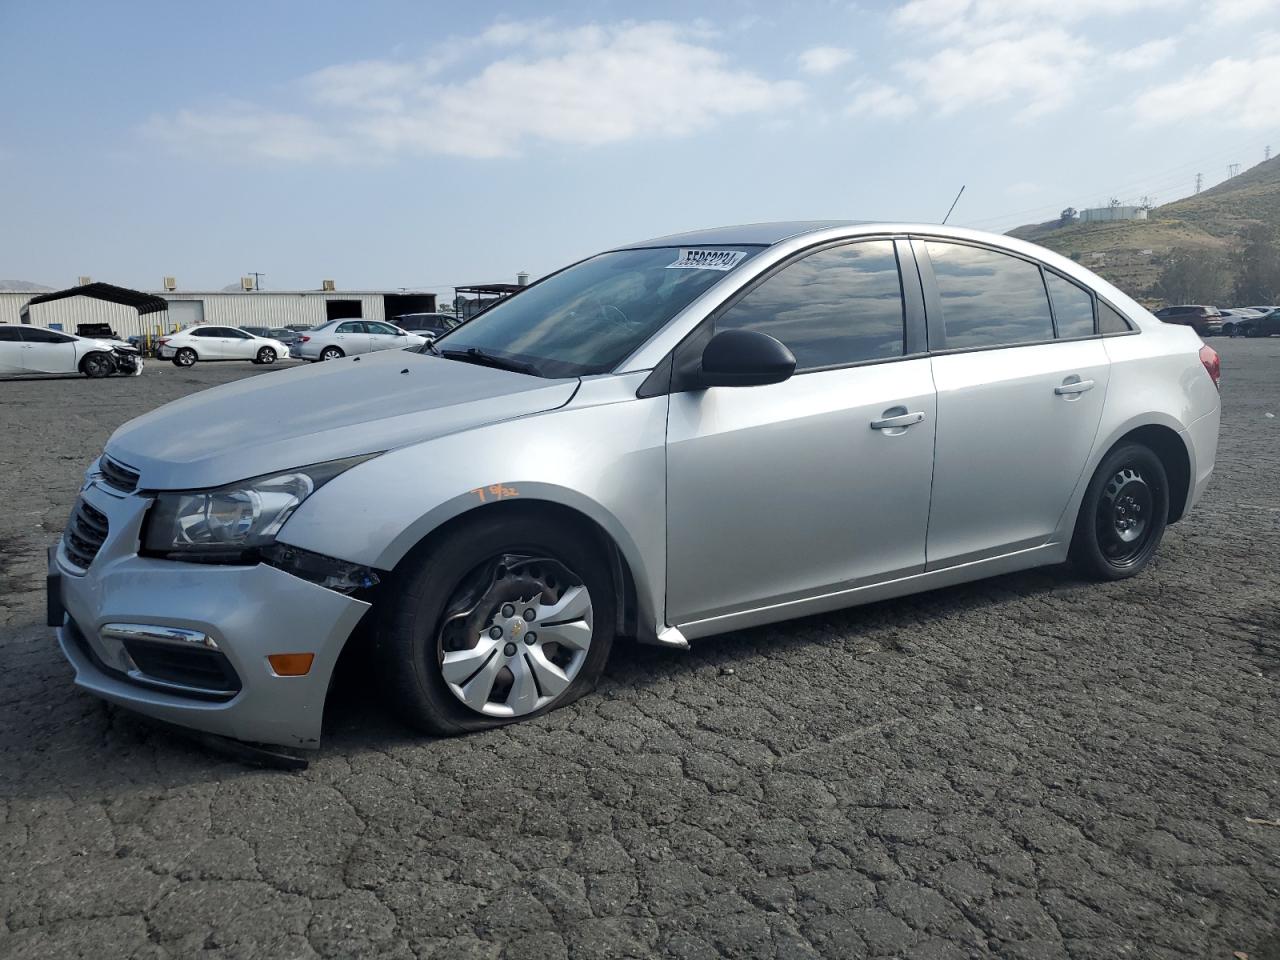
x=672, y=439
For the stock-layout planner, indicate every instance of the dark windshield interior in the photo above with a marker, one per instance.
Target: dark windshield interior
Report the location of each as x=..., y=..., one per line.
x=590, y=317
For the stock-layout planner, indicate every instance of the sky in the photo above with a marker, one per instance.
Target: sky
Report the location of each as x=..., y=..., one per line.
x=421, y=145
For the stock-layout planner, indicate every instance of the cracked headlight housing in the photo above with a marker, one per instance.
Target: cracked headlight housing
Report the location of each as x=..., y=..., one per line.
x=228, y=524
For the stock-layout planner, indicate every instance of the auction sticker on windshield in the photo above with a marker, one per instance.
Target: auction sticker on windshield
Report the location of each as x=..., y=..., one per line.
x=707, y=259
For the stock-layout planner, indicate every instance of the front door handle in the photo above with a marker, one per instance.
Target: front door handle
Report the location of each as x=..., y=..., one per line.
x=901, y=420
x=1073, y=385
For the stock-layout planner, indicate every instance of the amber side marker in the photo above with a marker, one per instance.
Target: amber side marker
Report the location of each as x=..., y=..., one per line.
x=291, y=664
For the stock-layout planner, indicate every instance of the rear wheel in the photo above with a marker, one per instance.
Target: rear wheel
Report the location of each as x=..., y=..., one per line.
x=96, y=366
x=1229, y=329
x=185, y=357
x=266, y=356
x=502, y=621
x=331, y=353
x=1123, y=514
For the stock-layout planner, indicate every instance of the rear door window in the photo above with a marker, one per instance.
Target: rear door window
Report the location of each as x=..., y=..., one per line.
x=989, y=299
x=1072, y=306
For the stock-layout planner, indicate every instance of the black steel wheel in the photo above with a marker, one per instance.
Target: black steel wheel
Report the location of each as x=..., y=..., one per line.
x=97, y=365
x=1123, y=514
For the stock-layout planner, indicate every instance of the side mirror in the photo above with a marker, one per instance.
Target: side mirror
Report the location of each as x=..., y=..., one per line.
x=401, y=333
x=745, y=358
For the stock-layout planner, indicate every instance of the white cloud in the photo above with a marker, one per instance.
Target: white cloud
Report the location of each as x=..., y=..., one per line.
x=1237, y=92
x=818, y=60
x=1236, y=11
x=959, y=16
x=1037, y=72
x=882, y=101
x=586, y=86
x=1145, y=55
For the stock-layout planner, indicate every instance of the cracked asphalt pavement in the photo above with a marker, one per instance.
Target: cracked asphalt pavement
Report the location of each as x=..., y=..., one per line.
x=1029, y=767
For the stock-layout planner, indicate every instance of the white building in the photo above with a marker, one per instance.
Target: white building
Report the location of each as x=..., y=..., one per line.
x=258, y=308
x=1097, y=214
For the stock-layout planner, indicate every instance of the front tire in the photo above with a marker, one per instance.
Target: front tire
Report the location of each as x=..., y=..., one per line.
x=1252, y=331
x=1123, y=515
x=502, y=621
x=331, y=353
x=97, y=365
x=185, y=357
x=266, y=356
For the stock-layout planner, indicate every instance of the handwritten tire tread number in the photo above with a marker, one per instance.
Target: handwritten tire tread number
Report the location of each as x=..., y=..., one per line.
x=495, y=491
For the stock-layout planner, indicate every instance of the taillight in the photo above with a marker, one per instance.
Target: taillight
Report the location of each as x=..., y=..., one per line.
x=162, y=341
x=306, y=339
x=1212, y=364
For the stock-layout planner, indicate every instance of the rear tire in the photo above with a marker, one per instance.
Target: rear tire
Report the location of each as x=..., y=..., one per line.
x=331, y=353
x=95, y=366
x=439, y=600
x=1123, y=515
x=185, y=357
x=266, y=356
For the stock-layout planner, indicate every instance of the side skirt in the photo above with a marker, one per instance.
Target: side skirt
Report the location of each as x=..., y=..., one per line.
x=1042, y=555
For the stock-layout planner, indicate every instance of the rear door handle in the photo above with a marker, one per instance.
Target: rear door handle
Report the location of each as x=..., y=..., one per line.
x=1073, y=385
x=902, y=420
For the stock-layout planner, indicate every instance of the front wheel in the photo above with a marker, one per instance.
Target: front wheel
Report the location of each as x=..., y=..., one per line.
x=185, y=357
x=502, y=621
x=266, y=356
x=1123, y=514
x=96, y=366
x=1252, y=331
x=331, y=353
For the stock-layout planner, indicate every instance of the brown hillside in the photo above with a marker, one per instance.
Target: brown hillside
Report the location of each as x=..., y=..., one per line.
x=1211, y=221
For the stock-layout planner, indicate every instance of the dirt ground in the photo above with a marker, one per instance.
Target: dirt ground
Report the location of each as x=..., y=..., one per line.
x=1031, y=766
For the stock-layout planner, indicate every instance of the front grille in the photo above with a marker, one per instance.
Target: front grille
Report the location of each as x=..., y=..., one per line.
x=124, y=479
x=206, y=670
x=85, y=534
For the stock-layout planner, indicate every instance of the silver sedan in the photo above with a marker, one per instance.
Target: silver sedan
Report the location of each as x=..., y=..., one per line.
x=672, y=439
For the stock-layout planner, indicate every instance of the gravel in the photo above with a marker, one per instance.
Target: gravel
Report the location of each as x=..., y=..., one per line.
x=1031, y=766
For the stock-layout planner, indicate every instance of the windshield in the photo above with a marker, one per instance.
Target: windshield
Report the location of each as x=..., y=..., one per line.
x=590, y=317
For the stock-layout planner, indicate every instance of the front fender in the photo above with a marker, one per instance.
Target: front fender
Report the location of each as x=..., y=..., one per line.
x=607, y=462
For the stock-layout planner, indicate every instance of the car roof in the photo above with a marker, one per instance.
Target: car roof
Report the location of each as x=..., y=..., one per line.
x=757, y=234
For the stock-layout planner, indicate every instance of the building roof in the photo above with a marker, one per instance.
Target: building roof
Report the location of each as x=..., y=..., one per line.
x=144, y=303
x=766, y=234
x=495, y=288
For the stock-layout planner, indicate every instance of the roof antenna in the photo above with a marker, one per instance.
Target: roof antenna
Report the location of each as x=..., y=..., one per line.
x=953, y=205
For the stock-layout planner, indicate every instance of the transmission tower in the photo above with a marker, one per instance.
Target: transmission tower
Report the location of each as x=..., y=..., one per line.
x=1199, y=180
x=1232, y=170
x=1266, y=153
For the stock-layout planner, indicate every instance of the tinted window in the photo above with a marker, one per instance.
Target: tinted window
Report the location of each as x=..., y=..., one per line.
x=351, y=328
x=9, y=335
x=1072, y=307
x=208, y=332
x=238, y=334
x=1110, y=321
x=383, y=328
x=36, y=335
x=590, y=317
x=837, y=306
x=989, y=299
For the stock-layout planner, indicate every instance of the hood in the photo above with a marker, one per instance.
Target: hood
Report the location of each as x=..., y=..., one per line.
x=326, y=411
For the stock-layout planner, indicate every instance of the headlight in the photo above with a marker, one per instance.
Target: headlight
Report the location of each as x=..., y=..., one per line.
x=226, y=522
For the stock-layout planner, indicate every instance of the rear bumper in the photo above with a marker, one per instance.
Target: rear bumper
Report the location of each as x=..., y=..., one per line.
x=248, y=611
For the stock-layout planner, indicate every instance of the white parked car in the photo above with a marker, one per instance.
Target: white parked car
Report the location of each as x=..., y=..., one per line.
x=28, y=350
x=187, y=346
x=349, y=338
